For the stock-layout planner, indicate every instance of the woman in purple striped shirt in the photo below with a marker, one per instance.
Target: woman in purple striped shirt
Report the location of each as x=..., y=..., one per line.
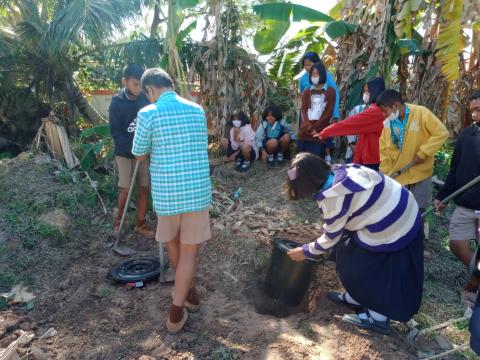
x=373, y=230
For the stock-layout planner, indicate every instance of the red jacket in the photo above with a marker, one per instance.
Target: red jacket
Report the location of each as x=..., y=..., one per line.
x=368, y=125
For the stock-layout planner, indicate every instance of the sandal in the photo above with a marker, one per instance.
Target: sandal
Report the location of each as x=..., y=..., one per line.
x=245, y=166
x=380, y=327
x=341, y=298
x=238, y=163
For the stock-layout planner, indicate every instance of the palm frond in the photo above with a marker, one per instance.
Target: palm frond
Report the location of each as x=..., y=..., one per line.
x=141, y=50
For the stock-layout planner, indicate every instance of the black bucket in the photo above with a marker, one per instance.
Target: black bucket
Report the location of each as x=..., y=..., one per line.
x=287, y=280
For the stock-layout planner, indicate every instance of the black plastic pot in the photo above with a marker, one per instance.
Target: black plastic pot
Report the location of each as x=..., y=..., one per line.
x=132, y=271
x=287, y=280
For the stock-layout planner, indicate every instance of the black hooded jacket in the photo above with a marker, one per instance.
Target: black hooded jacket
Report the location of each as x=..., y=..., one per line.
x=122, y=118
x=465, y=167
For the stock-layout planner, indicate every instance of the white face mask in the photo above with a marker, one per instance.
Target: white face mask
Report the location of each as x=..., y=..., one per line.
x=315, y=80
x=394, y=115
x=237, y=123
x=366, y=98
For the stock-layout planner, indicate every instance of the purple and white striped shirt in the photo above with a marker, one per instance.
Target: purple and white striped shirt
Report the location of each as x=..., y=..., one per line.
x=381, y=213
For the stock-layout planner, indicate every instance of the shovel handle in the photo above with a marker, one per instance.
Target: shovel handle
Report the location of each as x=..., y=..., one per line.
x=125, y=209
x=454, y=194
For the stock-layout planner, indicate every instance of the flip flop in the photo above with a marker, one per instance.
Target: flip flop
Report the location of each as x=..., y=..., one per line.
x=340, y=298
x=380, y=327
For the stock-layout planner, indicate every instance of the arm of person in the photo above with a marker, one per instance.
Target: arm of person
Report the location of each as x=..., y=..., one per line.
x=331, y=83
x=306, y=124
x=249, y=136
x=288, y=128
x=332, y=231
x=438, y=134
x=114, y=120
x=449, y=186
x=386, y=164
x=234, y=143
x=260, y=136
x=142, y=141
x=327, y=113
x=362, y=123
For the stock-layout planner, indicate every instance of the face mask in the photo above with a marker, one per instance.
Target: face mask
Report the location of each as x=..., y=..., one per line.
x=394, y=115
x=366, y=98
x=315, y=80
x=237, y=123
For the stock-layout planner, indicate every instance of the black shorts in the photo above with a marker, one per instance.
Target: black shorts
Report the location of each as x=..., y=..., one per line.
x=230, y=152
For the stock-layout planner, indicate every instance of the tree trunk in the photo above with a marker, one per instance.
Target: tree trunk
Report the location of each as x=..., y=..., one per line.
x=86, y=110
x=155, y=21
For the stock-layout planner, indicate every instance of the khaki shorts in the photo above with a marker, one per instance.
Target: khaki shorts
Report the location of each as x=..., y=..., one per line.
x=422, y=191
x=193, y=228
x=463, y=224
x=125, y=167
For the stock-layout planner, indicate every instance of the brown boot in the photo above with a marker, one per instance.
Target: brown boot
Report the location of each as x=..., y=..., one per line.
x=177, y=319
x=144, y=230
x=192, y=303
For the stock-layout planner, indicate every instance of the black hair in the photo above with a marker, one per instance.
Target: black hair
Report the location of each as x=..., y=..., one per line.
x=321, y=71
x=240, y=115
x=132, y=71
x=312, y=173
x=156, y=77
x=389, y=97
x=312, y=56
x=274, y=110
x=375, y=87
x=475, y=95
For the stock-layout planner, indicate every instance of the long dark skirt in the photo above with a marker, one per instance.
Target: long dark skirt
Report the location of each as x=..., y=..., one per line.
x=312, y=147
x=474, y=328
x=390, y=283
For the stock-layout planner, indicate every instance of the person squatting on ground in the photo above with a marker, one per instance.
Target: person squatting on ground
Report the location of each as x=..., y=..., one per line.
x=172, y=131
x=241, y=147
x=464, y=167
x=304, y=82
x=367, y=124
x=411, y=134
x=374, y=227
x=318, y=102
x=274, y=136
x=122, y=118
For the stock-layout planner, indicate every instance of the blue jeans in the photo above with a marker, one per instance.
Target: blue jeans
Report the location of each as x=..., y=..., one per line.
x=474, y=328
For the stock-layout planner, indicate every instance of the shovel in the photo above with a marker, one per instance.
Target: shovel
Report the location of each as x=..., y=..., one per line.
x=121, y=249
x=402, y=170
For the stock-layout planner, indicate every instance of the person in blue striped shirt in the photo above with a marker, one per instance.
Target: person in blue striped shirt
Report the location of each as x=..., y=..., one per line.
x=172, y=131
x=373, y=230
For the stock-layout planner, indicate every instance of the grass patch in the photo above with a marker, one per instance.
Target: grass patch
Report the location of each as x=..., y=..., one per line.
x=307, y=331
x=3, y=304
x=221, y=353
x=107, y=292
x=49, y=232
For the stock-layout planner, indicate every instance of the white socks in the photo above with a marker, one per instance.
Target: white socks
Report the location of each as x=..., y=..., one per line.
x=350, y=300
x=374, y=315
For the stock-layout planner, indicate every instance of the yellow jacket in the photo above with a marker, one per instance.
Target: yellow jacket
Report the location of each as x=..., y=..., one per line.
x=424, y=136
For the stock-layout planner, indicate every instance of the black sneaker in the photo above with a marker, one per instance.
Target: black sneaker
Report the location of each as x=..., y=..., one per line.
x=238, y=163
x=245, y=166
x=270, y=160
x=280, y=159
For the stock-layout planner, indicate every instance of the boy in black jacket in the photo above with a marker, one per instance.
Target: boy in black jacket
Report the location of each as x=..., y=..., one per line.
x=465, y=166
x=122, y=117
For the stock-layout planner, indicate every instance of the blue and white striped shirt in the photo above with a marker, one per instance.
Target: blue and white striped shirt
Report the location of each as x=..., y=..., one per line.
x=382, y=214
x=174, y=132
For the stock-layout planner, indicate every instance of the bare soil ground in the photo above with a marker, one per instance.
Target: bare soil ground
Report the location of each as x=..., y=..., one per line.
x=52, y=239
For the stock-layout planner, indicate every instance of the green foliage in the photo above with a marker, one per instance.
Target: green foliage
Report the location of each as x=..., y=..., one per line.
x=277, y=18
x=442, y=161
x=221, y=353
x=100, y=146
x=267, y=38
x=336, y=29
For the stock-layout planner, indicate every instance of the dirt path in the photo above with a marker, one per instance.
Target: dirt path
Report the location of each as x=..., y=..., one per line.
x=97, y=319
